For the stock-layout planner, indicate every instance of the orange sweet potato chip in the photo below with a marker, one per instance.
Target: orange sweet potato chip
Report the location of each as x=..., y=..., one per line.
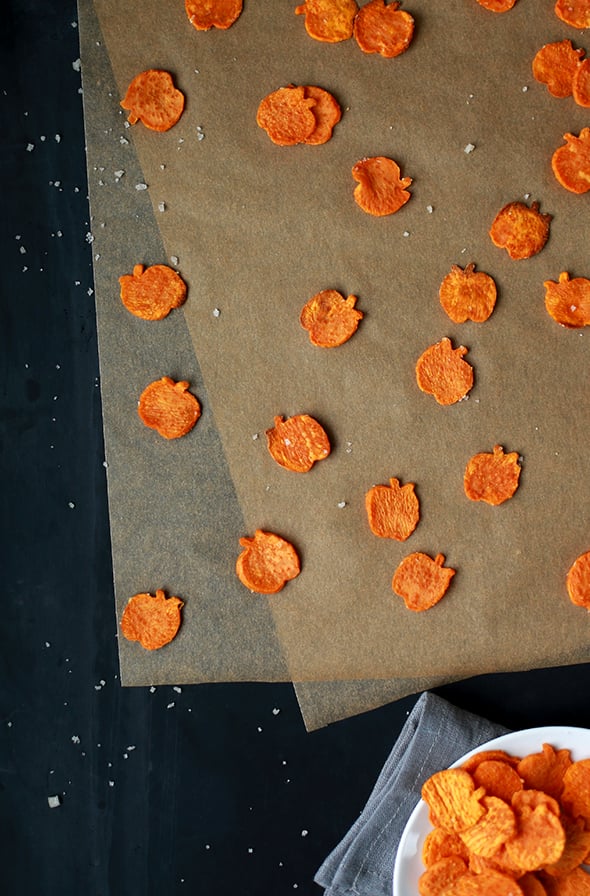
x=151, y=293
x=267, y=562
x=422, y=581
x=330, y=21
x=329, y=318
x=440, y=844
x=498, y=777
x=492, y=476
x=467, y=294
x=545, y=770
x=383, y=28
x=441, y=875
x=568, y=301
x=206, y=14
x=327, y=114
x=492, y=830
x=581, y=84
x=575, y=796
x=573, y=12
x=555, y=65
x=486, y=883
x=297, y=442
x=578, y=581
x=381, y=190
x=571, y=162
x=486, y=755
x=286, y=115
x=497, y=5
x=442, y=372
x=454, y=803
x=169, y=408
x=525, y=800
x=539, y=841
x=153, y=99
x=393, y=510
x=520, y=229
x=577, y=845
x=151, y=620
x=576, y=883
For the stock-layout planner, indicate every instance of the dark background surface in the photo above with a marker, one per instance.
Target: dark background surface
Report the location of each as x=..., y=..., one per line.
x=211, y=788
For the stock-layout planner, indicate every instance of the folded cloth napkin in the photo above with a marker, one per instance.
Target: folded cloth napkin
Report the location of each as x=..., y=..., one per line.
x=434, y=736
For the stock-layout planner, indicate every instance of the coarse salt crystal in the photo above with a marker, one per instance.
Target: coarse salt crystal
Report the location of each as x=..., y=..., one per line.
x=469, y=148
x=53, y=801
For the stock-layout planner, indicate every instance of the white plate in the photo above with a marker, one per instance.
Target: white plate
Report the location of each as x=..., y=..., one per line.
x=408, y=863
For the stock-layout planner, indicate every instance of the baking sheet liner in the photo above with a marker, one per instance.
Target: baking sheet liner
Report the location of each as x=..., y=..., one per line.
x=255, y=230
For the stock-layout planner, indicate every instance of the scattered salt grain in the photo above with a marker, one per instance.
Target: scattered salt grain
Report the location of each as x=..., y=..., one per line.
x=304, y=833
x=141, y=186
x=75, y=739
x=53, y=801
x=71, y=505
x=216, y=312
x=429, y=209
x=276, y=711
x=77, y=65
x=30, y=147
x=174, y=259
x=161, y=206
x=177, y=689
x=469, y=148
x=341, y=504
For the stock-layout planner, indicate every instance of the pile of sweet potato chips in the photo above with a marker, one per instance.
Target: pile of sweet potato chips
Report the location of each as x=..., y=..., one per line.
x=508, y=826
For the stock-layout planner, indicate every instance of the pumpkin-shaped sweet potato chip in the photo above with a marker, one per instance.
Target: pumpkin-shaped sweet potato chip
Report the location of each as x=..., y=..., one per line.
x=152, y=620
x=393, y=510
x=329, y=318
x=578, y=581
x=520, y=229
x=330, y=21
x=555, y=65
x=169, y=408
x=151, y=293
x=381, y=190
x=442, y=372
x=467, y=294
x=422, y=581
x=573, y=12
x=153, y=99
x=206, y=14
x=568, y=300
x=327, y=114
x=581, y=84
x=267, y=562
x=571, y=163
x=492, y=477
x=383, y=28
x=297, y=442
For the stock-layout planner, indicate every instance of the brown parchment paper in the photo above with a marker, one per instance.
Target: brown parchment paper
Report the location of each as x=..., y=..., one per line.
x=257, y=229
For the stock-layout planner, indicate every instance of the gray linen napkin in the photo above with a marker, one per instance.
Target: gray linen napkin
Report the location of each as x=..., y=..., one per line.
x=434, y=736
